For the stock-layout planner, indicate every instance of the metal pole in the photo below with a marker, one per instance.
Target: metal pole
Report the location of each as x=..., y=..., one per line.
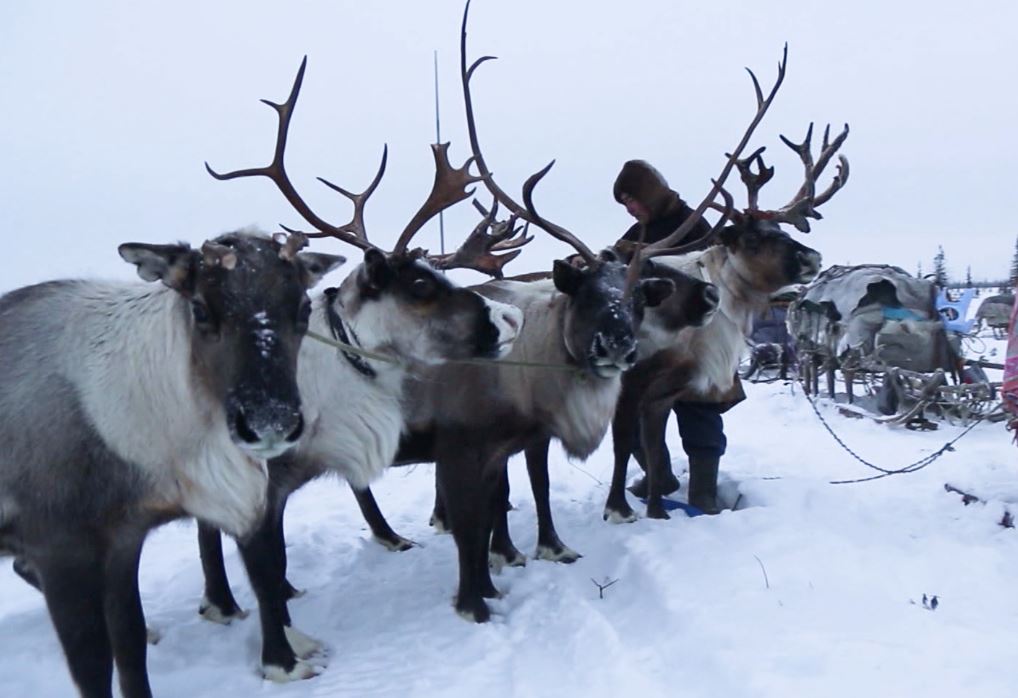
x=438, y=139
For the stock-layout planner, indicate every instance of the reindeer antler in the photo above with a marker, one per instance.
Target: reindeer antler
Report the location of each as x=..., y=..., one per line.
x=449, y=189
x=478, y=251
x=803, y=205
x=667, y=246
x=529, y=212
x=352, y=232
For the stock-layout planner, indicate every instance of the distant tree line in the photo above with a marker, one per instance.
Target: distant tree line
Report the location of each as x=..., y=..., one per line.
x=941, y=277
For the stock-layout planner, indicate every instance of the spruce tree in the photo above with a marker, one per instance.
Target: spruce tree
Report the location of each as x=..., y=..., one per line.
x=968, y=276
x=939, y=267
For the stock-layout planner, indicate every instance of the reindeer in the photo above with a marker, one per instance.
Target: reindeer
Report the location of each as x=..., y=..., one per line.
x=754, y=259
x=125, y=407
x=580, y=331
x=682, y=360
x=394, y=316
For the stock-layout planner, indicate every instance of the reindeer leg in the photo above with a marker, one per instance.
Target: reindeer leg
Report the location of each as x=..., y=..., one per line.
x=625, y=428
x=380, y=528
x=549, y=546
x=462, y=488
x=125, y=618
x=259, y=551
x=279, y=541
x=653, y=420
x=73, y=583
x=218, y=604
x=503, y=551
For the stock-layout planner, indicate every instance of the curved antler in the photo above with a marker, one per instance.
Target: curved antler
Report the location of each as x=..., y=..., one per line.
x=353, y=232
x=529, y=212
x=478, y=251
x=448, y=189
x=668, y=244
x=803, y=205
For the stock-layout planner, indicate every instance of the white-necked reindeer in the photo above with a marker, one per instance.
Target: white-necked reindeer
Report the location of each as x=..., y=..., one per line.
x=754, y=259
x=397, y=312
x=469, y=420
x=124, y=406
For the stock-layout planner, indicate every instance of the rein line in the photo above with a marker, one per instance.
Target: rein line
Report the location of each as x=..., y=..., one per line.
x=359, y=351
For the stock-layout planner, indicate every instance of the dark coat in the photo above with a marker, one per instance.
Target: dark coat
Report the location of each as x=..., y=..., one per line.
x=668, y=211
x=660, y=227
x=641, y=181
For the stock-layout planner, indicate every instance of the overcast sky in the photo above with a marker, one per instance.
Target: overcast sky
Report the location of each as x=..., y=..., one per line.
x=110, y=109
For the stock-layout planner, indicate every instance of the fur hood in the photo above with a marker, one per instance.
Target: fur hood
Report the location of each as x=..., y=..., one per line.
x=641, y=180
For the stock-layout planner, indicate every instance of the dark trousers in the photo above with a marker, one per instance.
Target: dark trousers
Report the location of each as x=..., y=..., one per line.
x=701, y=428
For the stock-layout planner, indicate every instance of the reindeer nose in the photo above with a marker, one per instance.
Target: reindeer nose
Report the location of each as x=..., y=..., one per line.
x=266, y=429
x=619, y=351
x=809, y=261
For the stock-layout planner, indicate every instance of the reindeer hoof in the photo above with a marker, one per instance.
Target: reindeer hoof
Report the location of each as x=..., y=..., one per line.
x=213, y=613
x=292, y=592
x=557, y=553
x=153, y=636
x=619, y=516
x=304, y=646
x=395, y=543
x=509, y=558
x=301, y=670
x=475, y=611
x=656, y=510
x=438, y=523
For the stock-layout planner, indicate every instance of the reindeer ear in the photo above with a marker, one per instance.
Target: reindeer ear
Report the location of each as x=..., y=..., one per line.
x=174, y=265
x=315, y=265
x=375, y=273
x=655, y=291
x=729, y=235
x=567, y=278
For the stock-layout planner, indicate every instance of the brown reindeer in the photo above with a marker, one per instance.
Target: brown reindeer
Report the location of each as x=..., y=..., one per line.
x=579, y=328
x=690, y=362
x=754, y=259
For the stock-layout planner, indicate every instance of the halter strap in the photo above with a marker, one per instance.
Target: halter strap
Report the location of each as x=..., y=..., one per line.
x=338, y=330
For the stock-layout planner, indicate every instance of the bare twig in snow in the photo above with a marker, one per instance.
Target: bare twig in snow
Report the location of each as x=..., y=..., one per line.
x=767, y=582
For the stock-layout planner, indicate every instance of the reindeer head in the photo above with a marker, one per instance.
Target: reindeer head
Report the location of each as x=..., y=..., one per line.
x=398, y=301
x=606, y=297
x=247, y=309
x=762, y=255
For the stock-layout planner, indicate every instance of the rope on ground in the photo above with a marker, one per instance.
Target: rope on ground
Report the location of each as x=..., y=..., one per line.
x=886, y=472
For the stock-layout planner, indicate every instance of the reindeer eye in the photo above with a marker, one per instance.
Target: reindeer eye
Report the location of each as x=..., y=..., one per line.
x=422, y=287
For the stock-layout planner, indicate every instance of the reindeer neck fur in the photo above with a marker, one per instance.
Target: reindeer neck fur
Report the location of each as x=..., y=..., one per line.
x=353, y=420
x=132, y=370
x=572, y=407
x=715, y=349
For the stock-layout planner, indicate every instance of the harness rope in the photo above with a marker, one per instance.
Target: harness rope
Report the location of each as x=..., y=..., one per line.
x=885, y=472
x=346, y=347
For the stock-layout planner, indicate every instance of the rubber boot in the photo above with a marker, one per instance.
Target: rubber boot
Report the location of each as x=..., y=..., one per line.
x=703, y=483
x=669, y=484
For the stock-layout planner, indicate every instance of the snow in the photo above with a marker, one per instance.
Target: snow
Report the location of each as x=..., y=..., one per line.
x=808, y=589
